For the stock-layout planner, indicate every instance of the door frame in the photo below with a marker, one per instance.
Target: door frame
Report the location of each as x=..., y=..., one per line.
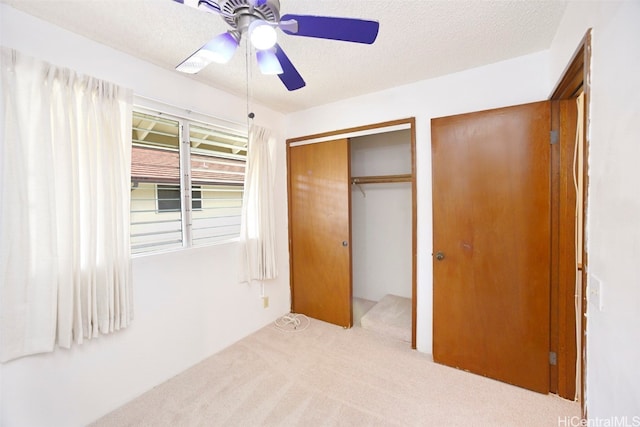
x=371, y=129
x=574, y=80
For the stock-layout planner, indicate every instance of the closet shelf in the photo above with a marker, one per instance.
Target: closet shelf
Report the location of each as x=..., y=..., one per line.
x=381, y=179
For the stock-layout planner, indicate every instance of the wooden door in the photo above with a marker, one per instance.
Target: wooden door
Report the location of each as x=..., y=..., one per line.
x=491, y=243
x=320, y=233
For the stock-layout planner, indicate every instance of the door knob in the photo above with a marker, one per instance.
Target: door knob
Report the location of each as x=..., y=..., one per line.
x=345, y=243
x=439, y=256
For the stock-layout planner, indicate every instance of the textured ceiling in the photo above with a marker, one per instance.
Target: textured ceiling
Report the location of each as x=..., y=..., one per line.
x=418, y=39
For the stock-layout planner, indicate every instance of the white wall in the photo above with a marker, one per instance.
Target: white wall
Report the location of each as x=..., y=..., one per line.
x=188, y=304
x=512, y=82
x=613, y=210
x=381, y=234
x=381, y=240
x=387, y=153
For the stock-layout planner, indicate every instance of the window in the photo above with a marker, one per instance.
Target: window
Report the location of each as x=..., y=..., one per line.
x=207, y=169
x=168, y=197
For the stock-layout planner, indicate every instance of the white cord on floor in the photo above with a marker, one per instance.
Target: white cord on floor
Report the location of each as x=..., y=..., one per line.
x=292, y=322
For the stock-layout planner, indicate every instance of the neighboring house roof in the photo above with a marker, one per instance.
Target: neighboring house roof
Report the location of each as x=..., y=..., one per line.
x=163, y=166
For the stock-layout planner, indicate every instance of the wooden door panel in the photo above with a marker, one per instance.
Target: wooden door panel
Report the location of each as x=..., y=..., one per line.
x=491, y=222
x=319, y=200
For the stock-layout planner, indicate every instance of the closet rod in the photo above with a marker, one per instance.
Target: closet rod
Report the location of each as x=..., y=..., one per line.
x=378, y=179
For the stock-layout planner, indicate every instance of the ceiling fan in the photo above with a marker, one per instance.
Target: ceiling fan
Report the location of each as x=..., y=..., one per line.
x=258, y=20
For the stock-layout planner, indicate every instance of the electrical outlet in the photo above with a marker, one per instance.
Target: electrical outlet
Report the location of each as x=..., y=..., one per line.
x=595, y=292
x=265, y=302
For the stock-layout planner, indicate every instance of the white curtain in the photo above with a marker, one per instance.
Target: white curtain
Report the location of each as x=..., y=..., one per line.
x=257, y=235
x=64, y=213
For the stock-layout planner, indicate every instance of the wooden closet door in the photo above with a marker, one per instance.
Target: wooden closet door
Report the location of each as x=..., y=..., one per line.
x=491, y=243
x=320, y=233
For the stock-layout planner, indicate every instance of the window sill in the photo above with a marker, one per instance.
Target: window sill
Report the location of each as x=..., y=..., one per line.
x=233, y=241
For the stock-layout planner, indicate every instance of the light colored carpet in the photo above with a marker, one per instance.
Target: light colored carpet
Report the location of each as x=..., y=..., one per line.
x=391, y=316
x=329, y=376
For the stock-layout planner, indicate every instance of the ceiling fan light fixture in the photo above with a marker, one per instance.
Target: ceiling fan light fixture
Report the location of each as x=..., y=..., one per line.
x=220, y=49
x=263, y=36
x=192, y=65
x=268, y=62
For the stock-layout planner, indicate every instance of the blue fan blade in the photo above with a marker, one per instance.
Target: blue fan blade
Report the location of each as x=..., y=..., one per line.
x=290, y=76
x=210, y=6
x=326, y=27
x=204, y=5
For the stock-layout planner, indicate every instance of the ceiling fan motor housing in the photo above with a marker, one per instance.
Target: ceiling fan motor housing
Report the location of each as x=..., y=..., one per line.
x=240, y=13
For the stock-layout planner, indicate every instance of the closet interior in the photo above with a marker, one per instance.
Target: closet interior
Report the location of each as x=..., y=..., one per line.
x=382, y=232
